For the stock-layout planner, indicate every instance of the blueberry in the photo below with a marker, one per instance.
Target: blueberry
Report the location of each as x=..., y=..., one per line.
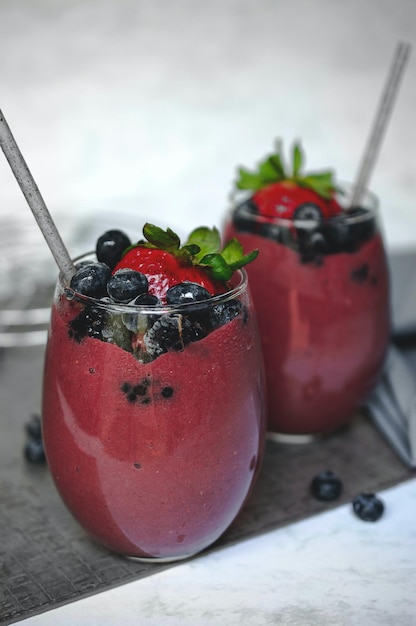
x=137, y=392
x=91, y=280
x=136, y=322
x=169, y=332
x=269, y=230
x=312, y=245
x=307, y=212
x=33, y=427
x=225, y=312
x=167, y=392
x=146, y=299
x=244, y=219
x=326, y=486
x=34, y=451
x=110, y=247
x=360, y=274
x=343, y=234
x=368, y=507
x=186, y=292
x=126, y=284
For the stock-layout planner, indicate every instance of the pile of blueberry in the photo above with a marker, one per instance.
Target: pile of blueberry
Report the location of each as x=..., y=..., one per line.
x=327, y=486
x=160, y=332
x=317, y=237
x=33, y=450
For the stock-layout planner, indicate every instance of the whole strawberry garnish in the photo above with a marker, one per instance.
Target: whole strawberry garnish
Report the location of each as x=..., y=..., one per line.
x=293, y=195
x=165, y=263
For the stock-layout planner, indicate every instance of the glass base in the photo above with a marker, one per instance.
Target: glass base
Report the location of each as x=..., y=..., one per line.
x=163, y=559
x=292, y=439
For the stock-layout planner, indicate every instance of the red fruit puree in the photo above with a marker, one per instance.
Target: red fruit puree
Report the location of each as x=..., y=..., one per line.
x=156, y=459
x=324, y=330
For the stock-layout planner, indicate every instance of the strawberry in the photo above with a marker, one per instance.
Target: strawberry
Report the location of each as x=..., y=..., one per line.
x=290, y=196
x=165, y=263
x=163, y=270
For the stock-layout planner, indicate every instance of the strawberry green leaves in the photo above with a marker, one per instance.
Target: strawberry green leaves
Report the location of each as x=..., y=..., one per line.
x=273, y=170
x=223, y=264
x=234, y=256
x=202, y=248
x=208, y=241
x=297, y=159
x=220, y=264
x=168, y=240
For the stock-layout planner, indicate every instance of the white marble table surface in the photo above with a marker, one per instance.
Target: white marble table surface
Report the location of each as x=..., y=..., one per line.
x=128, y=110
x=329, y=570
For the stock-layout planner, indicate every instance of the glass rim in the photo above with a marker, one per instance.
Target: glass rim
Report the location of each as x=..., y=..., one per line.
x=369, y=202
x=153, y=309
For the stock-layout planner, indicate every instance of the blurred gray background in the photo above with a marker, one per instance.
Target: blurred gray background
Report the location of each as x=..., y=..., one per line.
x=128, y=110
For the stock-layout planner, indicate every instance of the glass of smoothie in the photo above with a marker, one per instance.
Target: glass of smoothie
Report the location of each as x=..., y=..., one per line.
x=153, y=403
x=321, y=291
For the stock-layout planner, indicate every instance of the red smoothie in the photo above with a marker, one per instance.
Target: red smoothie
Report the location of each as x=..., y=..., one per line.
x=321, y=296
x=154, y=459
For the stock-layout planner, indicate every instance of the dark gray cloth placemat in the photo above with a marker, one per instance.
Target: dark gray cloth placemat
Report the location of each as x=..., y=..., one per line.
x=47, y=560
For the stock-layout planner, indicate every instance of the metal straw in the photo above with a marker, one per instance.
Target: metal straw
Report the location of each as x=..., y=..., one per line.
x=35, y=200
x=380, y=123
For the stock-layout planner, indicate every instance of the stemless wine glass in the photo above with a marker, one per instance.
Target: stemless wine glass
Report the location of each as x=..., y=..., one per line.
x=153, y=418
x=321, y=292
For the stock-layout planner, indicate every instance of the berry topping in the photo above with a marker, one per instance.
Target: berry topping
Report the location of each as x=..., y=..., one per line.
x=126, y=284
x=368, y=507
x=312, y=221
x=278, y=193
x=91, y=280
x=185, y=292
x=169, y=332
x=165, y=263
x=326, y=486
x=308, y=211
x=146, y=299
x=90, y=321
x=110, y=247
x=225, y=312
x=152, y=274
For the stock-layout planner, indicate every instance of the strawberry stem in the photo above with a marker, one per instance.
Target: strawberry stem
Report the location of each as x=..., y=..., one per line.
x=202, y=249
x=272, y=170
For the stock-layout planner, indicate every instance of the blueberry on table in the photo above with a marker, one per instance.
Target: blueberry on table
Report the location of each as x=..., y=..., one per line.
x=110, y=247
x=326, y=486
x=34, y=450
x=91, y=280
x=368, y=507
x=33, y=427
x=126, y=284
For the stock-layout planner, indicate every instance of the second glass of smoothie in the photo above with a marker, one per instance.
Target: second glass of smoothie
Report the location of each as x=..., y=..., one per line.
x=321, y=291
